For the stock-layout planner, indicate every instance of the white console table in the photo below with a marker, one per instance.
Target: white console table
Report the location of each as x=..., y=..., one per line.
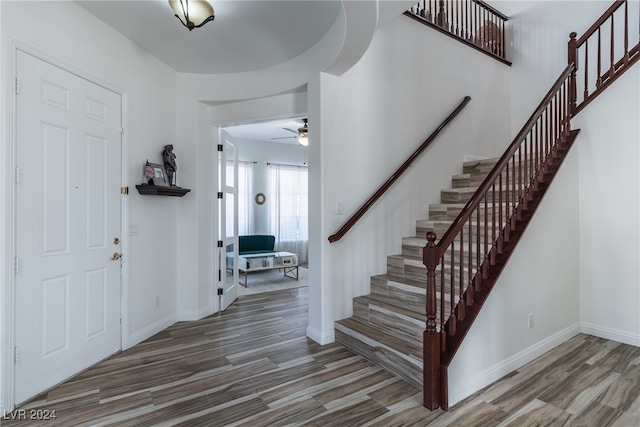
x=270, y=261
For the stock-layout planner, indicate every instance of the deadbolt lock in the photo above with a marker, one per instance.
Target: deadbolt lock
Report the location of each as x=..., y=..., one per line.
x=116, y=240
x=116, y=256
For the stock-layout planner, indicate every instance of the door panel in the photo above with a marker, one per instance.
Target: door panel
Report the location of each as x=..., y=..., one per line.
x=228, y=161
x=68, y=210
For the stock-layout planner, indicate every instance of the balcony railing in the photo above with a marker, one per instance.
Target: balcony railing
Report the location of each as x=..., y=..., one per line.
x=607, y=49
x=471, y=21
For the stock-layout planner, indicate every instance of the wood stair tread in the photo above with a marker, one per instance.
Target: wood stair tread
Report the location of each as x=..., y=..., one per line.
x=392, y=304
x=375, y=336
x=404, y=280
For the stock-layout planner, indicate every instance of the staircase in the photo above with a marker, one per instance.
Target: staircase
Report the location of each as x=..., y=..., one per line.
x=472, y=233
x=387, y=325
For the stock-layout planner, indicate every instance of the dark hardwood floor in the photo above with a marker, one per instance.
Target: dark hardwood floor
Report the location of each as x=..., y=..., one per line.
x=253, y=366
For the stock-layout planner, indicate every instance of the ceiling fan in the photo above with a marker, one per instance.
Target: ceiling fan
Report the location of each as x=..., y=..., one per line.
x=302, y=134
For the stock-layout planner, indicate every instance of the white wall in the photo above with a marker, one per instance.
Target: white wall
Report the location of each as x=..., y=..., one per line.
x=610, y=212
x=366, y=124
x=69, y=33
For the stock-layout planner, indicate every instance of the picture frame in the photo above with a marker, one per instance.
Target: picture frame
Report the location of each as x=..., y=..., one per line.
x=154, y=174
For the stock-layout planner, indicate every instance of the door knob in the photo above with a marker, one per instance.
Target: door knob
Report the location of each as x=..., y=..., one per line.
x=116, y=256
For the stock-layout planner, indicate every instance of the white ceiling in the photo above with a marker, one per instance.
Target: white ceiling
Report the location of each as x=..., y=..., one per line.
x=268, y=130
x=245, y=35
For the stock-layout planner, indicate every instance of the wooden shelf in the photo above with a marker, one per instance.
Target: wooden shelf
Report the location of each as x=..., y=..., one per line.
x=156, y=190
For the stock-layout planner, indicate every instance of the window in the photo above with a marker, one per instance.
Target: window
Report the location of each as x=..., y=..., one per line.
x=288, y=210
x=245, y=198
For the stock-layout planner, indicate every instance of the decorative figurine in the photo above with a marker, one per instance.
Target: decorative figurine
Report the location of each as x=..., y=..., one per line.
x=170, y=167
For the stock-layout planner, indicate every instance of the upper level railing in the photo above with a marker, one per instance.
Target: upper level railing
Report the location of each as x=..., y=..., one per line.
x=608, y=48
x=472, y=21
x=397, y=174
x=460, y=264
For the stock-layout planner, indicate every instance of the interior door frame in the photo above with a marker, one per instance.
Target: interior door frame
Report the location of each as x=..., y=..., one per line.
x=8, y=220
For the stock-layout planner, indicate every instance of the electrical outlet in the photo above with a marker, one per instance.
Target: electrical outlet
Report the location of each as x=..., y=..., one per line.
x=530, y=320
x=157, y=301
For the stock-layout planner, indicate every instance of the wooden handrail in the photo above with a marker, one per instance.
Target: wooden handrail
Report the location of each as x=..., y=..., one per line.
x=492, y=10
x=605, y=16
x=393, y=178
x=475, y=200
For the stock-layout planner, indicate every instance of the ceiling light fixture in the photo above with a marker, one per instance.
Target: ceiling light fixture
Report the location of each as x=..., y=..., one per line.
x=303, y=134
x=194, y=13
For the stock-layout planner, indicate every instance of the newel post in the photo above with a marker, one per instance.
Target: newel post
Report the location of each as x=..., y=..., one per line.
x=573, y=59
x=431, y=337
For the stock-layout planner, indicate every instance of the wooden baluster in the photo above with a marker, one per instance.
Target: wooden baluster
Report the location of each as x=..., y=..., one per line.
x=431, y=352
x=461, y=304
x=625, y=59
x=486, y=262
x=566, y=116
x=507, y=207
x=494, y=236
x=452, y=286
x=522, y=199
x=469, y=281
x=611, y=56
x=475, y=24
x=458, y=28
x=599, y=79
x=440, y=17
x=467, y=22
x=478, y=282
x=500, y=230
x=443, y=333
x=503, y=40
x=573, y=59
x=514, y=194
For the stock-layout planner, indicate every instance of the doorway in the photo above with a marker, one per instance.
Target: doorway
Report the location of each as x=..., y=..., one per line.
x=273, y=196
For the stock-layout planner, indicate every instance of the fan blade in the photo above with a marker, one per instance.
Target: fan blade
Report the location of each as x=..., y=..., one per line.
x=290, y=130
x=284, y=137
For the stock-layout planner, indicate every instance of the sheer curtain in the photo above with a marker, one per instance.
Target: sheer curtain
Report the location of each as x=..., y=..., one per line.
x=245, y=198
x=288, y=210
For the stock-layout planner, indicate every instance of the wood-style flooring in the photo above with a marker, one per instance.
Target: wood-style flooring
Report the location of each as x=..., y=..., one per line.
x=253, y=366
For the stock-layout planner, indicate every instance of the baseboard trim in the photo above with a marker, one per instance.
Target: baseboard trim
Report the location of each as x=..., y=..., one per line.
x=610, y=334
x=151, y=330
x=510, y=364
x=320, y=337
x=190, y=316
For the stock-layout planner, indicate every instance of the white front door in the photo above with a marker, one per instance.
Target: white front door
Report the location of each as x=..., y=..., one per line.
x=68, y=224
x=228, y=223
